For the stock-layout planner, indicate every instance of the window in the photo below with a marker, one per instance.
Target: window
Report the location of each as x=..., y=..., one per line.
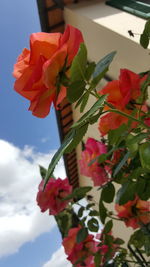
x=138, y=8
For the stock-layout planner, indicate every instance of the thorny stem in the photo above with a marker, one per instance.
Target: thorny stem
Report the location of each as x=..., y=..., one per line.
x=136, y=256
x=142, y=257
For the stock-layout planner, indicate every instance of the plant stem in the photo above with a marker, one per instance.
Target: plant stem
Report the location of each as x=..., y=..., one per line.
x=136, y=256
x=114, y=218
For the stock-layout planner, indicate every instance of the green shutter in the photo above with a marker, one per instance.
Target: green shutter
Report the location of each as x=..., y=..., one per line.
x=138, y=8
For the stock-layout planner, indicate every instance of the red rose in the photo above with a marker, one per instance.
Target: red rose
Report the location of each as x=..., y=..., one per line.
x=52, y=197
x=37, y=70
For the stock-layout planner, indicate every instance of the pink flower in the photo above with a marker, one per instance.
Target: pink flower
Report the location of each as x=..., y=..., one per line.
x=97, y=172
x=105, y=247
x=134, y=212
x=147, y=121
x=79, y=251
x=52, y=197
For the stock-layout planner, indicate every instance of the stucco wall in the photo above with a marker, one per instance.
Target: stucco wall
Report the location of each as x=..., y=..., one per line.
x=105, y=29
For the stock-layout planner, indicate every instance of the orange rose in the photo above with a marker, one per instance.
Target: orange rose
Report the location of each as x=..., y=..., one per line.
x=134, y=212
x=37, y=70
x=120, y=93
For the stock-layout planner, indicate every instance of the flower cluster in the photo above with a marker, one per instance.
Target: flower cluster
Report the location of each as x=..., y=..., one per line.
x=39, y=71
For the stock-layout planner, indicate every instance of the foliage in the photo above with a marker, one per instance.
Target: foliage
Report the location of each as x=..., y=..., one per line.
x=118, y=164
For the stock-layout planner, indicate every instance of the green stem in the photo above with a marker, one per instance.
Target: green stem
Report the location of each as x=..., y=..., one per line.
x=136, y=256
x=91, y=93
x=114, y=218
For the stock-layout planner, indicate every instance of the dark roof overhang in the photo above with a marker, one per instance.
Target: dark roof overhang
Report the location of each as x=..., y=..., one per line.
x=51, y=19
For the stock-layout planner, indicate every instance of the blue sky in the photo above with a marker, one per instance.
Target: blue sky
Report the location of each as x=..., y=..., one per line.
x=28, y=238
x=18, y=19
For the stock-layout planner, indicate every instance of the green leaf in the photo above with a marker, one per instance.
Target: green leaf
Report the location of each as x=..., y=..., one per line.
x=97, y=259
x=145, y=195
x=79, y=192
x=58, y=155
x=82, y=235
x=114, y=136
x=136, y=173
x=75, y=90
x=89, y=70
x=144, y=152
x=94, y=213
x=84, y=101
x=140, y=187
x=126, y=192
x=90, y=205
x=119, y=241
x=147, y=27
x=102, y=211
x=137, y=239
x=136, y=138
x=147, y=245
x=109, y=240
x=78, y=66
x=95, y=118
x=43, y=171
x=121, y=163
x=93, y=225
x=108, y=227
x=144, y=38
x=102, y=158
x=108, y=193
x=101, y=68
x=80, y=212
x=85, y=118
x=133, y=147
x=78, y=136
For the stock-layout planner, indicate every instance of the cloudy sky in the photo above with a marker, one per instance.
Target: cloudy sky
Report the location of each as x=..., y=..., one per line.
x=27, y=237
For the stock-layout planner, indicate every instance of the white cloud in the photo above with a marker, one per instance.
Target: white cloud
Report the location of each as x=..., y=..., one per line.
x=20, y=218
x=45, y=139
x=58, y=259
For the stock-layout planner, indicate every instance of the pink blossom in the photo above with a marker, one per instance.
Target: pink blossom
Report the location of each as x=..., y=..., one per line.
x=97, y=172
x=147, y=121
x=79, y=251
x=52, y=197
